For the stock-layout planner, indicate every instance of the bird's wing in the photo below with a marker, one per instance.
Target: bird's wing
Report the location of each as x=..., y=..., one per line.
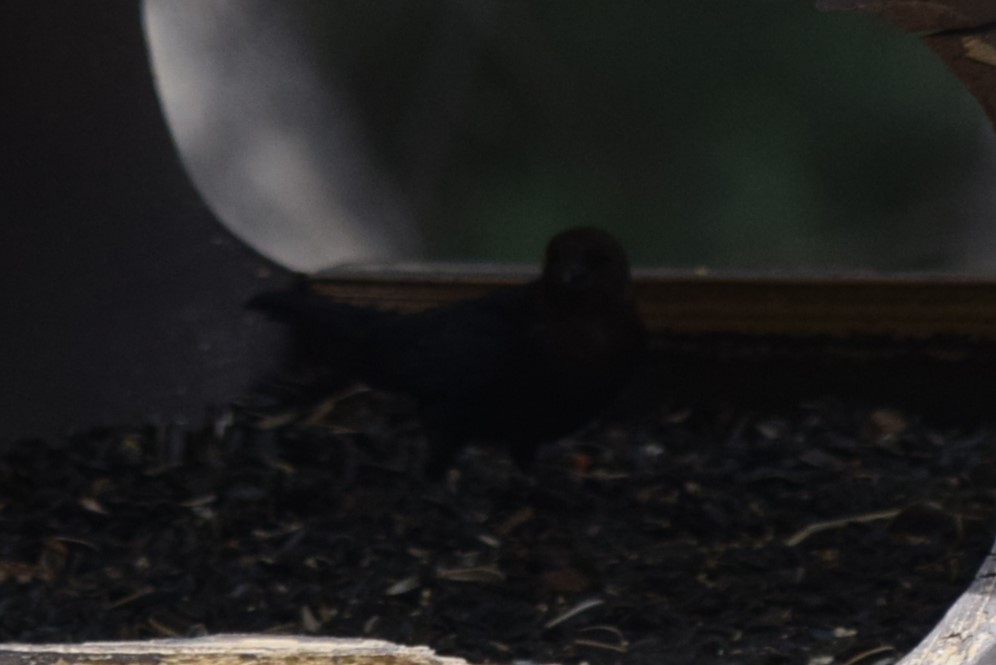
x=341, y=334
x=466, y=347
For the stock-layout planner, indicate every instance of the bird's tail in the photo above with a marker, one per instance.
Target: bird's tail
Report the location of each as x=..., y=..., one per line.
x=301, y=307
x=328, y=330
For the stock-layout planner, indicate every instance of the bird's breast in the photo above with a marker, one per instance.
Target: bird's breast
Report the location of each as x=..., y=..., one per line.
x=590, y=348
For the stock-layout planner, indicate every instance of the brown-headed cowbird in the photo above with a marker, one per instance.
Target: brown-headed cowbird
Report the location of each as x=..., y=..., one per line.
x=520, y=366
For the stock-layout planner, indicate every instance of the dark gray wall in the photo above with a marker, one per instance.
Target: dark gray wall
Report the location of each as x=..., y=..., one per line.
x=122, y=295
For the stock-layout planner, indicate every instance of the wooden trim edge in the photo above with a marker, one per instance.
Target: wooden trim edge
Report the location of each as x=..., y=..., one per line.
x=225, y=650
x=694, y=304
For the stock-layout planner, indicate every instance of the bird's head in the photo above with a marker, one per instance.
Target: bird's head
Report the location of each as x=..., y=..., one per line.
x=585, y=267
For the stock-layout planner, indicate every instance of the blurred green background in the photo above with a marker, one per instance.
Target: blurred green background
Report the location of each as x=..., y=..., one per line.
x=720, y=133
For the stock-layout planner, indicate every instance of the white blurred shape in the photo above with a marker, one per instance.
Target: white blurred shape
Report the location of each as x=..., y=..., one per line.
x=277, y=156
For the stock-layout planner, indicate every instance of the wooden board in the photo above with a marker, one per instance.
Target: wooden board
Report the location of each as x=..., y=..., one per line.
x=909, y=307
x=225, y=650
x=967, y=633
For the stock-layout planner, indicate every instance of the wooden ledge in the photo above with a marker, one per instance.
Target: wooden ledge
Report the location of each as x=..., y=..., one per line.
x=225, y=650
x=699, y=303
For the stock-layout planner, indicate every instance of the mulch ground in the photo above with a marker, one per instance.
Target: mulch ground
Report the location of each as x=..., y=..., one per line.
x=822, y=533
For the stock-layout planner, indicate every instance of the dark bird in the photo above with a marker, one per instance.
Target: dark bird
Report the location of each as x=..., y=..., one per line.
x=522, y=365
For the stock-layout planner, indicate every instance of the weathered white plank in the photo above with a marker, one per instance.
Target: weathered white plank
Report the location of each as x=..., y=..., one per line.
x=225, y=650
x=967, y=633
